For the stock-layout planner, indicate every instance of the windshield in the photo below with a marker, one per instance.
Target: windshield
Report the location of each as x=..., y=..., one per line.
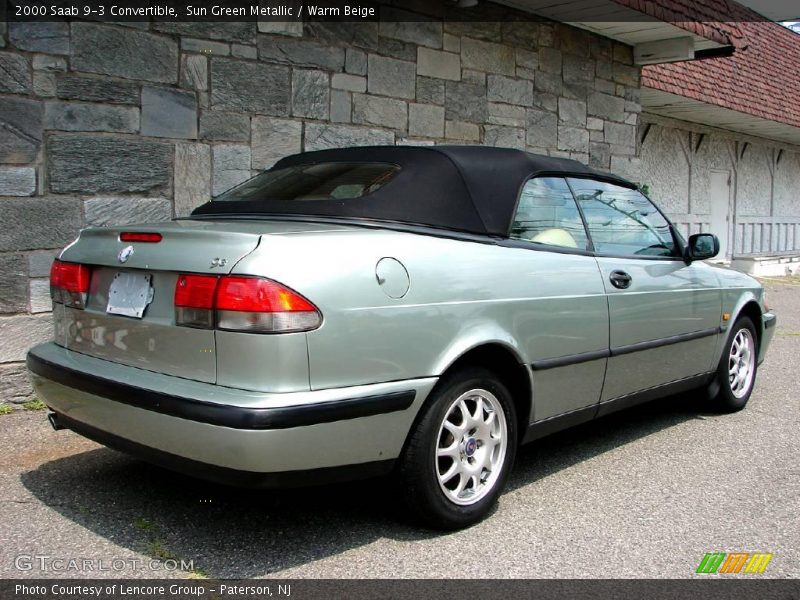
x=321, y=181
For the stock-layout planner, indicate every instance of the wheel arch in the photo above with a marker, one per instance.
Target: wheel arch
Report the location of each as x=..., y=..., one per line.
x=719, y=391
x=421, y=486
x=503, y=360
x=752, y=309
x=747, y=305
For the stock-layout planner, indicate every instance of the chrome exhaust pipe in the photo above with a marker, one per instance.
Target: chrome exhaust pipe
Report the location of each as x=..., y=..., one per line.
x=53, y=418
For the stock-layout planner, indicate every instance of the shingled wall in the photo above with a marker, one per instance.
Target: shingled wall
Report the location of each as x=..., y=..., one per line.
x=106, y=124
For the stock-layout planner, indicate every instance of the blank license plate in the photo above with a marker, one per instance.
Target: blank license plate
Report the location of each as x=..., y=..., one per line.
x=129, y=294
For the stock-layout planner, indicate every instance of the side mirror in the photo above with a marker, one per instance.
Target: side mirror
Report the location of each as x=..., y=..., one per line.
x=701, y=246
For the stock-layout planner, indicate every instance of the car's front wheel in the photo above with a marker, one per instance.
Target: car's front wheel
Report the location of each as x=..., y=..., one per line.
x=736, y=372
x=458, y=457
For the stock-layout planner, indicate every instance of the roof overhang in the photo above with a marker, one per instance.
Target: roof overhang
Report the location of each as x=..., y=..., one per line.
x=687, y=109
x=653, y=41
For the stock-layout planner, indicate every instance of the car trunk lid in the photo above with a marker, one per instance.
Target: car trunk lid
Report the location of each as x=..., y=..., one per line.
x=152, y=341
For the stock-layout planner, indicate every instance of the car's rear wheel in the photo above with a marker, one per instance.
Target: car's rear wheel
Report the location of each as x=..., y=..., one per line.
x=458, y=457
x=736, y=373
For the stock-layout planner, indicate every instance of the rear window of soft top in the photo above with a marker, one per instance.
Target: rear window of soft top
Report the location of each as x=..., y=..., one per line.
x=320, y=181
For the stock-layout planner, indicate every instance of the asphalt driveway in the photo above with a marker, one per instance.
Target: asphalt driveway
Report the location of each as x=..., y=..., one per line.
x=645, y=493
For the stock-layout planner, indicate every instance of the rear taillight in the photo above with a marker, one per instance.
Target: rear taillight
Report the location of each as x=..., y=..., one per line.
x=194, y=300
x=135, y=236
x=255, y=304
x=69, y=283
x=235, y=303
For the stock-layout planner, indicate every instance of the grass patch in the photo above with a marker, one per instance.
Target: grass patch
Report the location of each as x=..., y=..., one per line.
x=6, y=409
x=157, y=549
x=143, y=525
x=34, y=404
x=787, y=280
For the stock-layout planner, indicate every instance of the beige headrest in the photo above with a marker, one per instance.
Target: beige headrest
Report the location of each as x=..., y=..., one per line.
x=555, y=237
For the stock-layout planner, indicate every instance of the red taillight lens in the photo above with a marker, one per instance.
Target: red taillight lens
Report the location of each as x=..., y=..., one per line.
x=132, y=236
x=194, y=300
x=195, y=291
x=69, y=283
x=252, y=294
x=70, y=276
x=242, y=304
x=261, y=305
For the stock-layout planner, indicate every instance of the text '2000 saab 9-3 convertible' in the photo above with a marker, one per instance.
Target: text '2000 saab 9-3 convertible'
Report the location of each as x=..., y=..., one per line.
x=413, y=311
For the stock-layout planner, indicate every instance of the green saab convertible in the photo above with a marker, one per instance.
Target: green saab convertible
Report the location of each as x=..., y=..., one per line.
x=415, y=310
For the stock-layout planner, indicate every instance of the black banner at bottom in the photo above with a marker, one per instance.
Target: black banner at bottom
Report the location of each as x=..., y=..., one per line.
x=731, y=588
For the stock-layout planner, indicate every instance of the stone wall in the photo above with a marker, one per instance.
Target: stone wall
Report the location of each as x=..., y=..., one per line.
x=105, y=124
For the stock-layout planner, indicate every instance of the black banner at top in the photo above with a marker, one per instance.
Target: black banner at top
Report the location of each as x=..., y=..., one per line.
x=354, y=11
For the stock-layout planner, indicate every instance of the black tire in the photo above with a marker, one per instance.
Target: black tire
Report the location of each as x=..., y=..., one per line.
x=723, y=397
x=419, y=467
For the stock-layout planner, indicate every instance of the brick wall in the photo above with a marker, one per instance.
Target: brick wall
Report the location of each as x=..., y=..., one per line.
x=109, y=124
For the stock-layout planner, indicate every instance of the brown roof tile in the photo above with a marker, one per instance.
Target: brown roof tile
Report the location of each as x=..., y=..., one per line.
x=761, y=78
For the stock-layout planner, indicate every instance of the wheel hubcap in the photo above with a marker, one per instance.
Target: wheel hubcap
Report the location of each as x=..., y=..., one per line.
x=471, y=447
x=741, y=363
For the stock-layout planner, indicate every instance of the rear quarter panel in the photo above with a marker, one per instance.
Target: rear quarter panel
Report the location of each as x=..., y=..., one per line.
x=462, y=294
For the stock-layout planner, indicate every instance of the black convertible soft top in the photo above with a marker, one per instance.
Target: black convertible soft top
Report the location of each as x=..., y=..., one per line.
x=472, y=189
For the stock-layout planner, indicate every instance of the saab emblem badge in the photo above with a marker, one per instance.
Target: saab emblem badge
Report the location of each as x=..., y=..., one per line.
x=125, y=254
x=471, y=446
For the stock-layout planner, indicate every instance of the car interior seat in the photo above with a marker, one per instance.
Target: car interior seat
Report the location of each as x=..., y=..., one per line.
x=555, y=237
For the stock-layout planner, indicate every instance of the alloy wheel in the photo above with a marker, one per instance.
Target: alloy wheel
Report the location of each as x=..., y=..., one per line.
x=471, y=447
x=741, y=363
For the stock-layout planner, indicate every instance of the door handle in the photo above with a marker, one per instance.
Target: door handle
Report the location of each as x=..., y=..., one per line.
x=620, y=279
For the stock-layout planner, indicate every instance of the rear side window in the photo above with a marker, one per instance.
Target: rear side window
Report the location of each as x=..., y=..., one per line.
x=622, y=221
x=321, y=181
x=547, y=214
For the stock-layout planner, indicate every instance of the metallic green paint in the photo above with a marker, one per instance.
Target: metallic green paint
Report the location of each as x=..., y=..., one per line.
x=666, y=298
x=380, y=437
x=462, y=294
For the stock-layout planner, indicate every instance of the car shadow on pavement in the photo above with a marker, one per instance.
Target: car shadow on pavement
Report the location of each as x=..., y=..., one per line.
x=236, y=533
x=554, y=453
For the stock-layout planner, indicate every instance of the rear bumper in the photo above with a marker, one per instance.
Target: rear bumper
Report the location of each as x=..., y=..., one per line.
x=227, y=475
x=222, y=433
